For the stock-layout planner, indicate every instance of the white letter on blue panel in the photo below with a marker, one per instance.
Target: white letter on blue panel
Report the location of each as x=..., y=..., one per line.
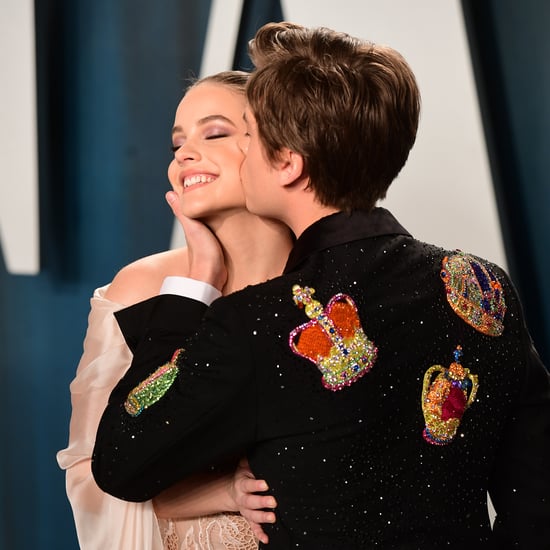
x=19, y=227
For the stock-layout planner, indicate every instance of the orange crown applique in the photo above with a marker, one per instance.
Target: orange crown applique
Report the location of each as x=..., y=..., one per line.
x=445, y=398
x=334, y=339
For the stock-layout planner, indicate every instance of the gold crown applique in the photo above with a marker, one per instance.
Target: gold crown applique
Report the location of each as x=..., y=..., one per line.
x=474, y=293
x=334, y=339
x=445, y=398
x=153, y=387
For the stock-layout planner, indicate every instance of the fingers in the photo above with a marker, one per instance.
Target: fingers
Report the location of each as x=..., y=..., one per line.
x=250, y=484
x=188, y=225
x=173, y=201
x=256, y=517
x=259, y=516
x=205, y=255
x=253, y=506
x=259, y=533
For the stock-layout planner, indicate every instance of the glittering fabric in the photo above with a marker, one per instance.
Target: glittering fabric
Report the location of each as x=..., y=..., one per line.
x=334, y=339
x=474, y=293
x=349, y=469
x=152, y=388
x=445, y=398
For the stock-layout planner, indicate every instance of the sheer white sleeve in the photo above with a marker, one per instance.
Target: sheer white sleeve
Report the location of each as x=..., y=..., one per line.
x=101, y=520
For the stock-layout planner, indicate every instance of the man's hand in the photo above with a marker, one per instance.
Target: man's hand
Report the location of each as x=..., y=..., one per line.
x=206, y=261
x=243, y=491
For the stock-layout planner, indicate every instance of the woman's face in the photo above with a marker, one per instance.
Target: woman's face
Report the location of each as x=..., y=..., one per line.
x=207, y=158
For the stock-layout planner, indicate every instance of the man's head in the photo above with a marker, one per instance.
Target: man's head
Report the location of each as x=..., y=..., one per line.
x=350, y=108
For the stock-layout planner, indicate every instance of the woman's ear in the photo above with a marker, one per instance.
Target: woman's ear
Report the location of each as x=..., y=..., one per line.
x=290, y=166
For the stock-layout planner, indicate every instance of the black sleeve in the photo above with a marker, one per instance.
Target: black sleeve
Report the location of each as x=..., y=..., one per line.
x=205, y=416
x=520, y=485
x=167, y=310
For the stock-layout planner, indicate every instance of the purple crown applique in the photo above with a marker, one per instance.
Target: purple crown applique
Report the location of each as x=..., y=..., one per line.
x=474, y=293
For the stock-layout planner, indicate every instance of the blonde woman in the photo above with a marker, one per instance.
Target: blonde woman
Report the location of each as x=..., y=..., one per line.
x=205, y=177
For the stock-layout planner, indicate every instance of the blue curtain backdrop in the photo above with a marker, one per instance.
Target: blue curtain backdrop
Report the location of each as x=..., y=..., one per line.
x=510, y=47
x=109, y=77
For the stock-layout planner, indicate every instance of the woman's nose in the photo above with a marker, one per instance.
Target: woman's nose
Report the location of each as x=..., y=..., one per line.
x=187, y=152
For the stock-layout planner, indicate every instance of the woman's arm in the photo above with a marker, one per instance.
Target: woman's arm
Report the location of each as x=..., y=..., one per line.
x=211, y=493
x=101, y=521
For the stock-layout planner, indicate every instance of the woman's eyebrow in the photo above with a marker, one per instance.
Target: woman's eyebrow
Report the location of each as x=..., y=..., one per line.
x=205, y=120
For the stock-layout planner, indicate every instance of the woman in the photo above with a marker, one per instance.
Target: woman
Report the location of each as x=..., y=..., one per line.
x=204, y=175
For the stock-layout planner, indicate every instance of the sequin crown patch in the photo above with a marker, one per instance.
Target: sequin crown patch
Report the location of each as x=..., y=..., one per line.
x=446, y=394
x=474, y=293
x=153, y=387
x=334, y=339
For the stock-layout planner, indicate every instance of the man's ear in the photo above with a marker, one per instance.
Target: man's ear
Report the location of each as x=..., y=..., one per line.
x=290, y=166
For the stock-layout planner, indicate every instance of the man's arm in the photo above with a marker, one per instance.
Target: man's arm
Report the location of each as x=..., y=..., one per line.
x=520, y=484
x=204, y=416
x=520, y=487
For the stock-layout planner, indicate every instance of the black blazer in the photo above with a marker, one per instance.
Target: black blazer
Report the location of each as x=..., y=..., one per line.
x=348, y=446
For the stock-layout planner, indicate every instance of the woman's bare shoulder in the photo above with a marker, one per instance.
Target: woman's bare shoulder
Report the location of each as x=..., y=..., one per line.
x=143, y=278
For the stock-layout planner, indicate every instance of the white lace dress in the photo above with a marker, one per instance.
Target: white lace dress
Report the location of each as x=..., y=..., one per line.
x=101, y=520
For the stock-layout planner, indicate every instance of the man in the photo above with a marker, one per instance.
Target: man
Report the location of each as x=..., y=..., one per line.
x=381, y=386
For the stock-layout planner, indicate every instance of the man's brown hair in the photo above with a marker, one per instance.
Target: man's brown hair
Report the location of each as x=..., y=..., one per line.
x=348, y=106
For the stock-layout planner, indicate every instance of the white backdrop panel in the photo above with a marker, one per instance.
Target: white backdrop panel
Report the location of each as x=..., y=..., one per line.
x=444, y=194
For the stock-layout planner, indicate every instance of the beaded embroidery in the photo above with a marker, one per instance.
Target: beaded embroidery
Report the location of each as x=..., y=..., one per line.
x=474, y=293
x=445, y=399
x=334, y=339
x=152, y=388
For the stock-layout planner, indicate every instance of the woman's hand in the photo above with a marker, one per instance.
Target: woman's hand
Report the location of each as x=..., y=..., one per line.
x=206, y=261
x=243, y=491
